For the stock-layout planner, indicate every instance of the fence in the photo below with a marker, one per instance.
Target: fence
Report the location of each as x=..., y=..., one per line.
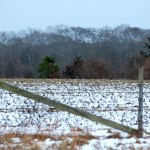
x=101, y=104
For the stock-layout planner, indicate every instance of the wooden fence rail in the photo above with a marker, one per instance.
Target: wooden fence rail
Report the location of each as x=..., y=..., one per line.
x=68, y=109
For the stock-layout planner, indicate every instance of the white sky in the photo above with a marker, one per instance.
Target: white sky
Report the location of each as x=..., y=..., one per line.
x=22, y=14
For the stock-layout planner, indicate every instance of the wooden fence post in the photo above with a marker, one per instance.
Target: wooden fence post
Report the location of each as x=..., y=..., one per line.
x=140, y=109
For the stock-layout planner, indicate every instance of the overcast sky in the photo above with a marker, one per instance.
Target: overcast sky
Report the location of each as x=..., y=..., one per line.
x=22, y=14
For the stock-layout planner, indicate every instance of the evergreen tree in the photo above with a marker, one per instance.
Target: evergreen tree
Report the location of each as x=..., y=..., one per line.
x=48, y=68
x=74, y=70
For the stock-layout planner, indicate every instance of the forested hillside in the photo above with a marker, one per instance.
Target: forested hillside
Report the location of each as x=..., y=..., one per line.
x=105, y=52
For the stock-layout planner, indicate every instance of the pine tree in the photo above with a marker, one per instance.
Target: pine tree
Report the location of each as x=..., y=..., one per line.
x=48, y=68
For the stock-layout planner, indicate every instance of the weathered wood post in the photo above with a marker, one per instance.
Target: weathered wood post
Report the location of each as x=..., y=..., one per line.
x=140, y=109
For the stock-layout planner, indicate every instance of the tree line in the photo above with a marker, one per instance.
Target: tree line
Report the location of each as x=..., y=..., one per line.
x=113, y=53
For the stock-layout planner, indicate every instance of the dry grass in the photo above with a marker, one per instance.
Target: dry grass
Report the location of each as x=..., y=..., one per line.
x=30, y=141
x=114, y=136
x=26, y=138
x=77, y=141
x=78, y=138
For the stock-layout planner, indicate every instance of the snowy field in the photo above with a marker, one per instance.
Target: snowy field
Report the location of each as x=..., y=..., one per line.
x=26, y=124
